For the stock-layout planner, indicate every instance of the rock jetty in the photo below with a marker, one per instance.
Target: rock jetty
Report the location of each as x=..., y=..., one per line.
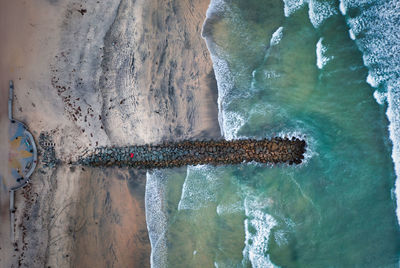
x=221, y=152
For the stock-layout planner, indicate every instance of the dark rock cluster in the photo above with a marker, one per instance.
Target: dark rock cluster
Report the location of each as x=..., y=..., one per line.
x=222, y=152
x=47, y=152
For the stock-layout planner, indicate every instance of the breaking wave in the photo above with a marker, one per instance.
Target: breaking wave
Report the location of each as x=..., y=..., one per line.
x=318, y=11
x=290, y=6
x=258, y=225
x=156, y=218
x=321, y=50
x=276, y=37
x=377, y=35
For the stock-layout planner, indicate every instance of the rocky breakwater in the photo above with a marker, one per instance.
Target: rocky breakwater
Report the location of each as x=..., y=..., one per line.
x=176, y=154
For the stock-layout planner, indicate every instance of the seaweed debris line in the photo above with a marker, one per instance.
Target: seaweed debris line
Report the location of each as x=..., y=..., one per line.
x=221, y=152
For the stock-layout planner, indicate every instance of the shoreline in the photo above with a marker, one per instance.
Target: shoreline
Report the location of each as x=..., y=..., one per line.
x=107, y=76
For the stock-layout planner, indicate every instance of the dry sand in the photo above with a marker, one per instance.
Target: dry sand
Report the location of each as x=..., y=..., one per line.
x=99, y=73
x=18, y=44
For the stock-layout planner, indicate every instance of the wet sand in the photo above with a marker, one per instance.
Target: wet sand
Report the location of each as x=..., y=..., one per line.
x=100, y=73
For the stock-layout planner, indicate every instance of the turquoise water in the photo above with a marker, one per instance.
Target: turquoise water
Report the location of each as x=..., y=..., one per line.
x=286, y=69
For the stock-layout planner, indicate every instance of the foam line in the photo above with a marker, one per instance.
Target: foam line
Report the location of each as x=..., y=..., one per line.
x=156, y=219
x=380, y=45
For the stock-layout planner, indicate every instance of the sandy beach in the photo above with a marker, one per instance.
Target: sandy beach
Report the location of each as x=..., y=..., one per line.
x=94, y=74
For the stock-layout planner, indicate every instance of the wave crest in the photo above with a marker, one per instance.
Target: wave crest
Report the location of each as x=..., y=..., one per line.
x=380, y=45
x=321, y=50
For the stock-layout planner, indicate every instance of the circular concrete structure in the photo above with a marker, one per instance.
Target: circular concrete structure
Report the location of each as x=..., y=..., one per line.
x=19, y=157
x=22, y=156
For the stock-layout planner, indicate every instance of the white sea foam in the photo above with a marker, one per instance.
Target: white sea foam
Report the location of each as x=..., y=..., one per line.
x=258, y=223
x=232, y=122
x=221, y=69
x=276, y=36
x=352, y=35
x=393, y=114
x=199, y=188
x=342, y=8
x=380, y=97
x=321, y=50
x=380, y=45
x=256, y=242
x=224, y=84
x=371, y=80
x=215, y=6
x=319, y=11
x=271, y=74
x=356, y=25
x=291, y=6
x=156, y=218
x=345, y=5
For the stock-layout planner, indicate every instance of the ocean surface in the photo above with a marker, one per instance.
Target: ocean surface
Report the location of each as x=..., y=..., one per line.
x=325, y=71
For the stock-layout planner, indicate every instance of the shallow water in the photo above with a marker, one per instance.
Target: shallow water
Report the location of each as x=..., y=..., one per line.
x=287, y=69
